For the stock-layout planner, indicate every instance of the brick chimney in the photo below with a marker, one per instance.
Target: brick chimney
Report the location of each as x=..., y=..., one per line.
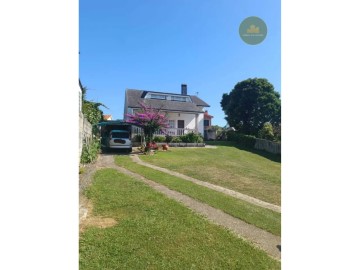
x=184, y=89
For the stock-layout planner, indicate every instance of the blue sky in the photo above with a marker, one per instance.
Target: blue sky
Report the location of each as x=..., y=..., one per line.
x=158, y=45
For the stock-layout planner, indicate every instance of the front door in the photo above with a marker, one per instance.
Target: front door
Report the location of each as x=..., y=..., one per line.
x=180, y=126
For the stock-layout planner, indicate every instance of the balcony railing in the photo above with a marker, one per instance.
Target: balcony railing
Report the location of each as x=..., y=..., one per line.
x=168, y=131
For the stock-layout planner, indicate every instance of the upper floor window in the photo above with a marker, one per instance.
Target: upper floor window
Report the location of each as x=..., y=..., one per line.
x=157, y=96
x=206, y=123
x=168, y=97
x=179, y=98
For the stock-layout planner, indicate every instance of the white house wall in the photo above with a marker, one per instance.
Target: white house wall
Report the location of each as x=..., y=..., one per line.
x=201, y=123
x=189, y=119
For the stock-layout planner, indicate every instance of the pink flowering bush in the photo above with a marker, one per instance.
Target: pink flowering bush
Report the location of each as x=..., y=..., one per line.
x=151, y=120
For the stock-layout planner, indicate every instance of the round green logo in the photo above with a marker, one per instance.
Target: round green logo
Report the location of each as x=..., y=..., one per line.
x=253, y=30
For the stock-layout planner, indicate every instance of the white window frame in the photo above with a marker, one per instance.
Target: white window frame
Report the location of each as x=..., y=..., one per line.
x=180, y=99
x=158, y=96
x=171, y=123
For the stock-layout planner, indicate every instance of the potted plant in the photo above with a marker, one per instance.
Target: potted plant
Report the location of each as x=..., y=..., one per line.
x=165, y=147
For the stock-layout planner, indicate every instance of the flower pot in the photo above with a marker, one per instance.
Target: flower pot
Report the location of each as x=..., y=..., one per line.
x=165, y=147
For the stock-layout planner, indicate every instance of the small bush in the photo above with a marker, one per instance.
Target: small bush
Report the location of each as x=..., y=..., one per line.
x=176, y=140
x=192, y=138
x=90, y=151
x=246, y=141
x=168, y=138
x=277, y=132
x=231, y=135
x=266, y=132
x=136, y=138
x=159, y=139
x=81, y=170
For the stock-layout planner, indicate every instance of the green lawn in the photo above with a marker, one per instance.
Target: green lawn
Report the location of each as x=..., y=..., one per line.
x=154, y=232
x=256, y=174
x=258, y=216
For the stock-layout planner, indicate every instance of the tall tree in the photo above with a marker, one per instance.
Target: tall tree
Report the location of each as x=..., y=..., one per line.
x=250, y=104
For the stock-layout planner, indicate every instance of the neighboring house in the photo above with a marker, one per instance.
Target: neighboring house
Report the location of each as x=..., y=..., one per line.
x=107, y=117
x=209, y=132
x=185, y=112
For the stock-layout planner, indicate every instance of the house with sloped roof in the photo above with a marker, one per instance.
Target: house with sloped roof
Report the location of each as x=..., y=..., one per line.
x=184, y=112
x=107, y=117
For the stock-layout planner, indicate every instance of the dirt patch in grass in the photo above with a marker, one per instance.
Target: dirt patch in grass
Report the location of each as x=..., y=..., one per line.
x=88, y=220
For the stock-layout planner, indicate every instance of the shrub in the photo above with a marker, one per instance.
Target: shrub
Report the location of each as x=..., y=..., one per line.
x=90, y=151
x=159, y=139
x=266, y=132
x=192, y=138
x=168, y=138
x=277, y=132
x=231, y=135
x=176, y=139
x=136, y=138
x=246, y=141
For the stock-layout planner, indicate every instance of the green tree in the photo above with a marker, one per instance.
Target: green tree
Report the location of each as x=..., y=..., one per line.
x=91, y=109
x=277, y=132
x=266, y=132
x=250, y=104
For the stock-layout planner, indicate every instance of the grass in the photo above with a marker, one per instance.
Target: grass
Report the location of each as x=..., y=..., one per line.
x=154, y=232
x=258, y=216
x=254, y=173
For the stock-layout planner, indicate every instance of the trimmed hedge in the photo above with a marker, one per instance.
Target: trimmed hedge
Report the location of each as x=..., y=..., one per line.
x=187, y=138
x=159, y=139
x=192, y=138
x=246, y=141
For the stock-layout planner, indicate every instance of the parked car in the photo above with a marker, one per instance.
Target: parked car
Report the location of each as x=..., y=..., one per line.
x=119, y=139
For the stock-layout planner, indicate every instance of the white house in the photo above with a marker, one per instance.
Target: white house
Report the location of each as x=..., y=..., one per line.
x=185, y=112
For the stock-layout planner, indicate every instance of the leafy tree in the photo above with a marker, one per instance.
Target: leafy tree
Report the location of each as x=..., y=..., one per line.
x=92, y=112
x=250, y=104
x=266, y=132
x=277, y=132
x=91, y=109
x=217, y=128
x=151, y=120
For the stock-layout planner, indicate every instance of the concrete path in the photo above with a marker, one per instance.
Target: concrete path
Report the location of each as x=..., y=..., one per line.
x=226, y=191
x=260, y=238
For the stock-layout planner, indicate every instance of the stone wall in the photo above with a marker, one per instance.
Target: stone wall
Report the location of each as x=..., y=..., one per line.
x=85, y=132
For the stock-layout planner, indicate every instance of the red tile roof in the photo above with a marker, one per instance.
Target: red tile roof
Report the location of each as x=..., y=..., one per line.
x=207, y=115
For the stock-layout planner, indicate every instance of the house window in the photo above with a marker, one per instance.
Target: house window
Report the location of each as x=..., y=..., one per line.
x=172, y=123
x=206, y=123
x=156, y=96
x=178, y=98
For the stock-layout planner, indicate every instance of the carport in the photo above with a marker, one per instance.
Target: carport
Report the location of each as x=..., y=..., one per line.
x=107, y=126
